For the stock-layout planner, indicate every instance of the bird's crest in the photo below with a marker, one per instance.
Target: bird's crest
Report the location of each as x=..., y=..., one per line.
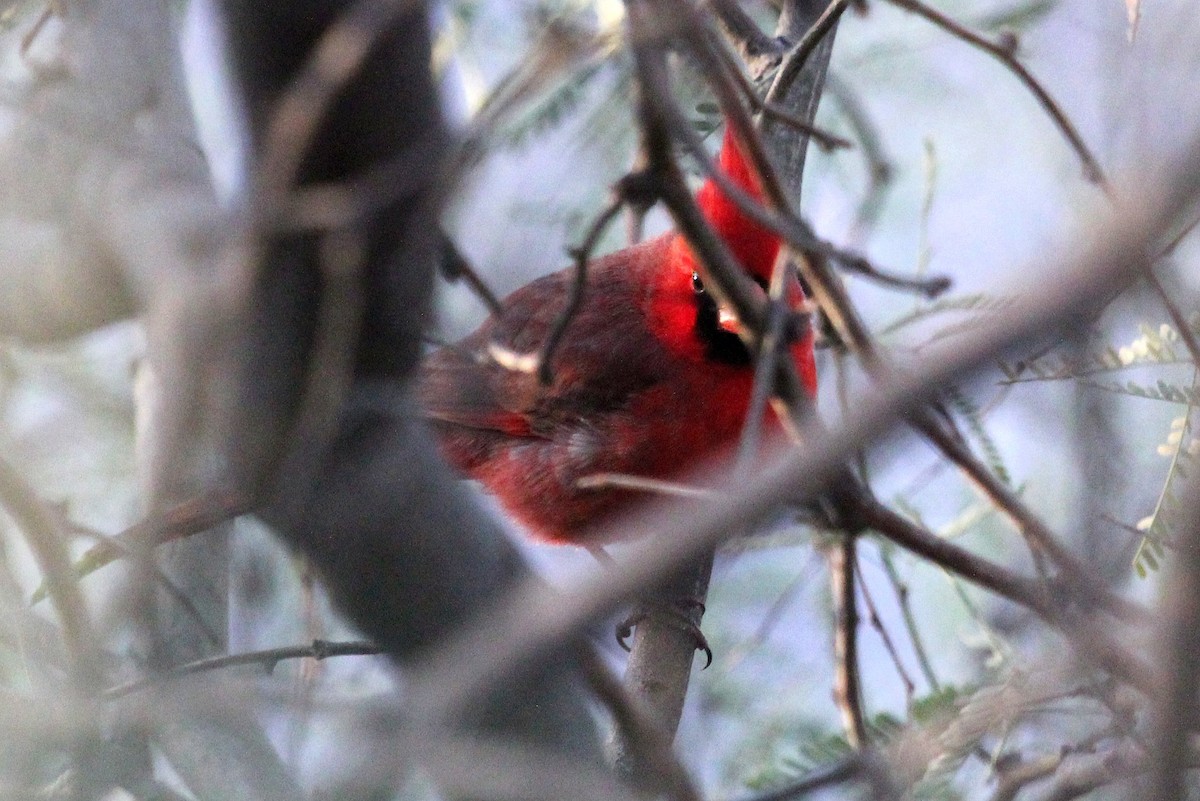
x=755, y=246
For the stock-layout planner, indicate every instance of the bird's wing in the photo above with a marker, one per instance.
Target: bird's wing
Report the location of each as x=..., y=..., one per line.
x=605, y=356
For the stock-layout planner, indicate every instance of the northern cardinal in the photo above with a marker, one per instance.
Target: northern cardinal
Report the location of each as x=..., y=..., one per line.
x=650, y=378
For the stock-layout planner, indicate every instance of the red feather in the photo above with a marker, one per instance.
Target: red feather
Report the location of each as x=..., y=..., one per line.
x=639, y=386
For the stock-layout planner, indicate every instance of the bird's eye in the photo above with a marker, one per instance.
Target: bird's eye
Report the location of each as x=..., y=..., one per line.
x=697, y=284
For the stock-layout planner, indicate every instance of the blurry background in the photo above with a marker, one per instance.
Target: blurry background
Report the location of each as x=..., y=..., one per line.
x=979, y=186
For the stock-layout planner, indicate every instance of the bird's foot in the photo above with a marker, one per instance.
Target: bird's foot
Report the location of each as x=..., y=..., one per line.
x=681, y=613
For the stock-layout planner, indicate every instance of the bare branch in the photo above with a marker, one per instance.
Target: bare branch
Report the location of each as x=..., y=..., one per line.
x=793, y=63
x=183, y=520
x=48, y=542
x=1012, y=780
x=757, y=50
x=168, y=584
x=879, y=166
x=455, y=266
x=876, y=621
x=336, y=58
x=1181, y=323
x=639, y=732
x=904, y=600
x=268, y=658
x=847, y=688
x=582, y=256
x=1005, y=55
x=824, y=139
x=1077, y=575
x=1081, y=774
x=1178, y=637
x=847, y=770
x=641, y=484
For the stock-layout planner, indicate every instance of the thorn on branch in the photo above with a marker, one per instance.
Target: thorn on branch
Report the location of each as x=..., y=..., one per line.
x=269, y=659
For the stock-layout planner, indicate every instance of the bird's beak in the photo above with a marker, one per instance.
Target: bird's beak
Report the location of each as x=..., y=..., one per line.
x=728, y=321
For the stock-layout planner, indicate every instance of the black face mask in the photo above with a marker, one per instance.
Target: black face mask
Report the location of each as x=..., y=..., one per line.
x=720, y=345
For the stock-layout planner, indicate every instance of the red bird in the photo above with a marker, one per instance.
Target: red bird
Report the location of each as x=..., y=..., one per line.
x=648, y=380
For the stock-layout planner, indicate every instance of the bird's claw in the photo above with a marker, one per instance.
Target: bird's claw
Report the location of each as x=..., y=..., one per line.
x=625, y=628
x=678, y=615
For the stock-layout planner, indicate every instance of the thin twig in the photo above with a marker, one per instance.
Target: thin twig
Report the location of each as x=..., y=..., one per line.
x=841, y=772
x=1083, y=773
x=268, y=658
x=1076, y=574
x=562, y=46
x=1012, y=780
x=847, y=686
x=1035, y=595
x=770, y=620
x=879, y=167
x=633, y=185
x=1181, y=324
x=656, y=486
x=48, y=541
x=914, y=538
x=575, y=294
x=876, y=621
x=323, y=206
x=910, y=621
x=455, y=267
x=757, y=50
x=1005, y=55
x=31, y=35
x=182, y=520
x=930, y=288
x=638, y=205
x=1176, y=240
x=826, y=140
x=165, y=581
x=767, y=354
x=795, y=59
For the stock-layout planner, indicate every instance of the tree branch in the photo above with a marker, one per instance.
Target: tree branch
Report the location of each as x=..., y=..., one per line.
x=1068, y=292
x=268, y=658
x=1005, y=55
x=847, y=688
